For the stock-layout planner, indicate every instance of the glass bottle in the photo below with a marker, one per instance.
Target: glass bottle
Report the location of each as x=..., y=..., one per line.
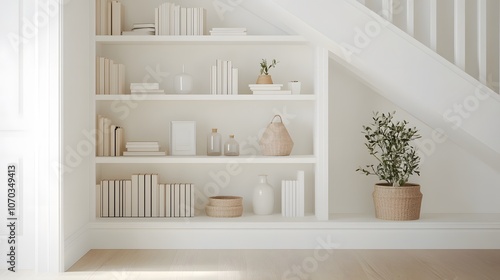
x=214, y=143
x=263, y=197
x=231, y=147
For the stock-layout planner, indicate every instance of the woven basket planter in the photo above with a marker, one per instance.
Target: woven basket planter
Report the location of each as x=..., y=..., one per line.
x=397, y=203
x=225, y=201
x=275, y=140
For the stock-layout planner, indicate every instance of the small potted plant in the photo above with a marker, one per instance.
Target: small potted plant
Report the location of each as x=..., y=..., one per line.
x=264, y=77
x=389, y=142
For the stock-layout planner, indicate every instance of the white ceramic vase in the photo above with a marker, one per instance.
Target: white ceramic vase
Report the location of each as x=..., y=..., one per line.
x=263, y=197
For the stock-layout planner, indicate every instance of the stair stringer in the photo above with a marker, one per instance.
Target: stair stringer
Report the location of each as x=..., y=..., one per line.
x=400, y=69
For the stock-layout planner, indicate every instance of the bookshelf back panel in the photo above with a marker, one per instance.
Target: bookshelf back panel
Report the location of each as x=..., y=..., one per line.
x=160, y=63
x=220, y=179
x=150, y=121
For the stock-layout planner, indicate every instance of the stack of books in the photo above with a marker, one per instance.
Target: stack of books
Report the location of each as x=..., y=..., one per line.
x=143, y=148
x=141, y=29
x=149, y=88
x=269, y=89
x=228, y=31
x=292, y=196
x=109, y=17
x=172, y=19
x=144, y=196
x=110, y=76
x=109, y=138
x=223, y=78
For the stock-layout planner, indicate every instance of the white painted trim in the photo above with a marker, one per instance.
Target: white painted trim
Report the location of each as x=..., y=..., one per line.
x=75, y=246
x=49, y=200
x=459, y=33
x=321, y=134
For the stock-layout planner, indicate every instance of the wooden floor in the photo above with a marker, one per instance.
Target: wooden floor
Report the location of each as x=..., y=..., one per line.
x=282, y=264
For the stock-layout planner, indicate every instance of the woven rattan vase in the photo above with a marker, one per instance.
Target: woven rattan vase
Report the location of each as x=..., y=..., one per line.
x=397, y=203
x=275, y=140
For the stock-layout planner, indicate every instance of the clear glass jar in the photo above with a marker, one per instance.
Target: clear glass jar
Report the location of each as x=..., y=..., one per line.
x=214, y=143
x=231, y=147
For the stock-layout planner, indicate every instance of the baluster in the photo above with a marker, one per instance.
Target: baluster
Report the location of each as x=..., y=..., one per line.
x=388, y=9
x=410, y=17
x=433, y=24
x=459, y=33
x=482, y=40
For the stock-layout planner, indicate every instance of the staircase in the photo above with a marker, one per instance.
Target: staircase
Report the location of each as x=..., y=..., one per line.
x=445, y=91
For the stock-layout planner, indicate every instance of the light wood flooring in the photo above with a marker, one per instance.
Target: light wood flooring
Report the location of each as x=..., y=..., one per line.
x=281, y=264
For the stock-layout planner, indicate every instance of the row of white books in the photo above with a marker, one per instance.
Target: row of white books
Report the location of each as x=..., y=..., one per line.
x=172, y=19
x=143, y=148
x=110, y=76
x=223, y=78
x=149, y=88
x=228, y=31
x=143, y=196
x=109, y=138
x=109, y=17
x=292, y=196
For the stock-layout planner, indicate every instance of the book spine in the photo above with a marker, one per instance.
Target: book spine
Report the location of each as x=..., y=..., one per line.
x=191, y=200
x=135, y=195
x=118, y=200
x=235, y=81
x=183, y=23
x=107, y=63
x=111, y=198
x=142, y=192
x=168, y=200
x=121, y=79
x=161, y=200
x=98, y=201
x=177, y=198
x=147, y=198
x=229, y=77
x=154, y=196
x=157, y=21
x=105, y=198
x=128, y=198
x=189, y=21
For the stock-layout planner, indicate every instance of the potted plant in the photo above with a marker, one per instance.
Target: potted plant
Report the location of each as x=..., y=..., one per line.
x=389, y=142
x=264, y=77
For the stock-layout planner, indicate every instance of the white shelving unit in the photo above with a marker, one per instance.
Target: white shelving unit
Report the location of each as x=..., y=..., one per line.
x=146, y=117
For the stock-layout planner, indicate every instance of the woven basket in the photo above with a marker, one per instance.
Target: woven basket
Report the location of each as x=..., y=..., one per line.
x=275, y=140
x=224, y=211
x=397, y=203
x=225, y=201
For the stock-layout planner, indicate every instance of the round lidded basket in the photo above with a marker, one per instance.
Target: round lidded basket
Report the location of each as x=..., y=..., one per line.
x=276, y=140
x=225, y=201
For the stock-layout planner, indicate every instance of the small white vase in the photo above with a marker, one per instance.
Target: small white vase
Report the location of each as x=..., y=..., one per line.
x=263, y=197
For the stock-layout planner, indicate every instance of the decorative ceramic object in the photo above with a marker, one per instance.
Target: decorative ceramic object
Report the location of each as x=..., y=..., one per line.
x=263, y=197
x=183, y=83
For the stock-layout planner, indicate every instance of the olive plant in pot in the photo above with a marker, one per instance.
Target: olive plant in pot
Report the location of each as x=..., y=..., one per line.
x=389, y=142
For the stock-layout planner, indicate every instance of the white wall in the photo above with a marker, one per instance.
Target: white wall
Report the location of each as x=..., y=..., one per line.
x=453, y=181
x=76, y=123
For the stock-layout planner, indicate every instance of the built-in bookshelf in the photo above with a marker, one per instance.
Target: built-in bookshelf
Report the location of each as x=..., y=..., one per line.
x=146, y=117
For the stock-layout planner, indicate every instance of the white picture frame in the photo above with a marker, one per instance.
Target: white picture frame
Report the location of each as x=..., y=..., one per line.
x=183, y=138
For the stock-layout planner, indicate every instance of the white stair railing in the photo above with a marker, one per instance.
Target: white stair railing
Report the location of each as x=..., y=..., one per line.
x=465, y=32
